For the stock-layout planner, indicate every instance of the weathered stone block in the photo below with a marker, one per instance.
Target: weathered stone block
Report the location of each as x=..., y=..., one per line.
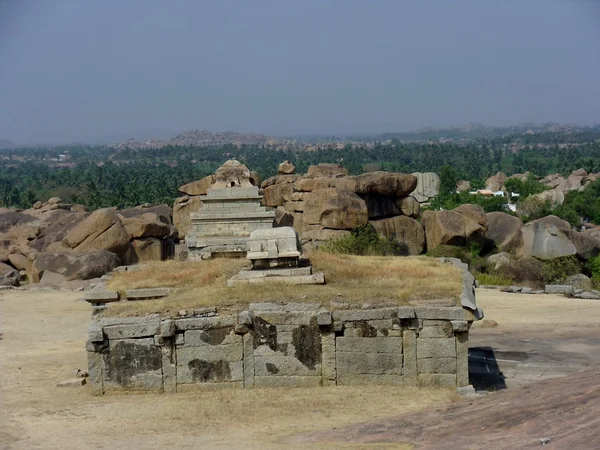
x=286, y=317
x=283, y=366
x=324, y=318
x=436, y=348
x=369, y=345
x=143, y=294
x=409, y=341
x=291, y=306
x=205, y=323
x=437, y=332
x=179, y=339
x=96, y=372
x=405, y=312
x=364, y=314
x=436, y=379
x=462, y=359
x=288, y=381
x=328, y=362
x=169, y=368
x=359, y=379
x=227, y=352
x=214, y=336
x=101, y=296
x=95, y=346
x=245, y=318
x=566, y=289
x=248, y=360
x=95, y=333
x=368, y=363
x=459, y=326
x=434, y=323
x=437, y=365
x=440, y=313
x=133, y=364
x=167, y=328
x=133, y=330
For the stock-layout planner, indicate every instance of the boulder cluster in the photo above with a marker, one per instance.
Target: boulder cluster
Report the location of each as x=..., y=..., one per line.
x=327, y=203
x=56, y=241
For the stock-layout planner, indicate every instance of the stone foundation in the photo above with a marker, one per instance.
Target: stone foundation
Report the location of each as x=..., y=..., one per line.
x=293, y=345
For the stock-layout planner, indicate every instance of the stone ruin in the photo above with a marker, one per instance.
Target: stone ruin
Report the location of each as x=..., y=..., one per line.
x=231, y=210
x=275, y=256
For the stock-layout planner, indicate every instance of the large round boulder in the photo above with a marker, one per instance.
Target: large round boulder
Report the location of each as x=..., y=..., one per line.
x=450, y=228
x=474, y=212
x=406, y=231
x=428, y=186
x=336, y=209
x=101, y=230
x=326, y=170
x=286, y=168
x=66, y=266
x=277, y=194
x=545, y=239
x=504, y=230
x=9, y=276
x=409, y=206
x=62, y=223
x=386, y=183
x=496, y=182
x=199, y=187
x=146, y=225
x=182, y=208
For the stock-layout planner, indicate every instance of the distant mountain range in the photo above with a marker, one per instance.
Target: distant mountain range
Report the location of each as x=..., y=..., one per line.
x=5, y=144
x=203, y=138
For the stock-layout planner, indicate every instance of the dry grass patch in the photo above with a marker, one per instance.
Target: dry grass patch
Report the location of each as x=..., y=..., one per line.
x=353, y=279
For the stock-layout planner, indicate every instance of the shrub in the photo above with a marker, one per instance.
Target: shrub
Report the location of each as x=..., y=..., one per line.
x=557, y=270
x=593, y=267
x=362, y=241
x=470, y=256
x=524, y=270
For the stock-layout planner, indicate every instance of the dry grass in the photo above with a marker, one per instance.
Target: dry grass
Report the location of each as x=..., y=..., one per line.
x=353, y=279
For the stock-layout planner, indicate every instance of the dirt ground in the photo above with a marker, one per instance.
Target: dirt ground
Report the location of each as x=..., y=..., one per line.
x=42, y=337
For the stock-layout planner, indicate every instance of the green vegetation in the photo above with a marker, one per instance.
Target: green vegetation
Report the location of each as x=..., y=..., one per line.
x=362, y=241
x=102, y=176
x=492, y=280
x=525, y=188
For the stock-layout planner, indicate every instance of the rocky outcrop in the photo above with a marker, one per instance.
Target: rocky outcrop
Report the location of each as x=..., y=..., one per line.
x=545, y=239
x=199, y=187
x=9, y=276
x=386, y=184
x=496, y=182
x=463, y=186
x=428, y=186
x=55, y=267
x=182, y=208
x=146, y=225
x=326, y=170
x=336, y=209
x=504, y=230
x=286, y=168
x=405, y=231
x=476, y=213
x=409, y=206
x=101, y=230
x=450, y=228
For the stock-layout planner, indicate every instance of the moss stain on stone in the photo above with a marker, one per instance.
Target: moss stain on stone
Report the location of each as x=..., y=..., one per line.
x=307, y=342
x=209, y=371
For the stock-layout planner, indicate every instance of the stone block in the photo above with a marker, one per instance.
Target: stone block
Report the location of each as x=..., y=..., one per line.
x=437, y=332
x=167, y=328
x=96, y=372
x=383, y=326
x=291, y=306
x=133, y=364
x=369, y=345
x=209, y=386
x=206, y=372
x=368, y=363
x=459, y=326
x=101, y=296
x=205, y=323
x=248, y=342
x=436, y=379
x=441, y=313
x=213, y=336
x=144, y=294
x=72, y=382
x=211, y=353
x=96, y=346
x=364, y=314
x=133, y=330
x=405, y=312
x=409, y=341
x=286, y=317
x=179, y=339
x=95, y=333
x=437, y=365
x=209, y=311
x=328, y=360
x=324, y=318
x=288, y=381
x=462, y=359
x=109, y=321
x=283, y=366
x=169, y=367
x=245, y=318
x=434, y=323
x=436, y=348
x=360, y=379
x=565, y=289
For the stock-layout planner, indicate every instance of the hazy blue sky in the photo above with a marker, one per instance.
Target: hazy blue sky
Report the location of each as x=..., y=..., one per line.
x=80, y=69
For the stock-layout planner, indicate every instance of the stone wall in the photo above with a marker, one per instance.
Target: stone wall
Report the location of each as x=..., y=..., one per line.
x=272, y=345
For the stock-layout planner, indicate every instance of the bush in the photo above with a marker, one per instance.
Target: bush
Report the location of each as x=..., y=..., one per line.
x=524, y=270
x=362, y=241
x=593, y=268
x=556, y=270
x=470, y=256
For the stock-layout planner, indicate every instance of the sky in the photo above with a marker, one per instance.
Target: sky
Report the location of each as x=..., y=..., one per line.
x=79, y=70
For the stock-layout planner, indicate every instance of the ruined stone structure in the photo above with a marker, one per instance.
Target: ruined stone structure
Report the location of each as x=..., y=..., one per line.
x=298, y=344
x=230, y=211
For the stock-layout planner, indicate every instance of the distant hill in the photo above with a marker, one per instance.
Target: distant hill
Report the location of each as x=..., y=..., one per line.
x=5, y=143
x=203, y=138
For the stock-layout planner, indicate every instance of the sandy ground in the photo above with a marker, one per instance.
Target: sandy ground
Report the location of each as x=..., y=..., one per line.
x=42, y=337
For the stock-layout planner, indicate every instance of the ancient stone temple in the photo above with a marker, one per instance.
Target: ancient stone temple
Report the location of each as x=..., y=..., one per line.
x=230, y=211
